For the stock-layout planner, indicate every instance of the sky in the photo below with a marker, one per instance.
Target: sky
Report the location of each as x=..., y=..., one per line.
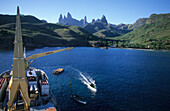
x=115, y=11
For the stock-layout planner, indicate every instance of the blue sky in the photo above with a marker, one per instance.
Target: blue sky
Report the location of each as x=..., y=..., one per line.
x=116, y=11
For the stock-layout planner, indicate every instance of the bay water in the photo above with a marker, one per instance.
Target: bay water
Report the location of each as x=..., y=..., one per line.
x=126, y=80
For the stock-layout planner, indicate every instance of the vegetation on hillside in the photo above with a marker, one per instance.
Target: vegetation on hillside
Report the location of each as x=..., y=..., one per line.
x=105, y=30
x=38, y=34
x=155, y=34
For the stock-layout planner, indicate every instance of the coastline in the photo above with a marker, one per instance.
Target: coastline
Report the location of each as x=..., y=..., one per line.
x=143, y=49
x=10, y=49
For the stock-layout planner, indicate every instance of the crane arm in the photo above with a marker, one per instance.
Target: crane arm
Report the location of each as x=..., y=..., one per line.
x=46, y=53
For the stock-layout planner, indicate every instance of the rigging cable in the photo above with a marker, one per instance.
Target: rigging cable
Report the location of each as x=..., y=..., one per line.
x=69, y=62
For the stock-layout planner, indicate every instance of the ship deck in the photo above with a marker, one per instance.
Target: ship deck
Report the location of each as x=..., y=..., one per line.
x=39, y=101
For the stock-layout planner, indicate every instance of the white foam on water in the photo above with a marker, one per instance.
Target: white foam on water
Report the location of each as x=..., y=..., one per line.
x=87, y=80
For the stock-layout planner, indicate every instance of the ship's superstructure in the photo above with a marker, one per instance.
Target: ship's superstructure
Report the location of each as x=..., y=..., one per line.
x=24, y=87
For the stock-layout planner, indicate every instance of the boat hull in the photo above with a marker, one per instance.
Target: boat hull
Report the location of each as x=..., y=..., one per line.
x=92, y=89
x=78, y=99
x=58, y=71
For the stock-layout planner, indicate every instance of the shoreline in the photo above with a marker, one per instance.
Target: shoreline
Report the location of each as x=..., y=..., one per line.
x=93, y=47
x=143, y=49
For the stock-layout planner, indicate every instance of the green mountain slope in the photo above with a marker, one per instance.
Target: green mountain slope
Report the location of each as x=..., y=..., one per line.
x=100, y=29
x=125, y=26
x=104, y=30
x=44, y=34
x=154, y=34
x=5, y=19
x=106, y=33
x=139, y=22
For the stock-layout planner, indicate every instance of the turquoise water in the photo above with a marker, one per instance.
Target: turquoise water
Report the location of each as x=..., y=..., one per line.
x=126, y=80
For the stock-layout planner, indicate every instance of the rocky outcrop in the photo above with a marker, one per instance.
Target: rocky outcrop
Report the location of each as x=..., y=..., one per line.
x=69, y=20
x=93, y=20
x=85, y=20
x=103, y=20
x=140, y=22
x=60, y=18
x=69, y=16
x=154, y=18
x=124, y=26
x=37, y=34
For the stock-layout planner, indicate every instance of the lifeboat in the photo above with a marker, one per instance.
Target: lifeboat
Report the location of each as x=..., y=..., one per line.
x=58, y=71
x=78, y=99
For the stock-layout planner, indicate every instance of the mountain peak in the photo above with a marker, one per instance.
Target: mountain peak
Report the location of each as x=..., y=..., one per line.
x=64, y=17
x=93, y=20
x=60, y=18
x=103, y=20
x=61, y=15
x=103, y=16
x=69, y=15
x=140, y=22
x=85, y=20
x=68, y=20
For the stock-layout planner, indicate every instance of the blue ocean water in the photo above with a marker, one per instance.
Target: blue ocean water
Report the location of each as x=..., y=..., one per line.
x=126, y=80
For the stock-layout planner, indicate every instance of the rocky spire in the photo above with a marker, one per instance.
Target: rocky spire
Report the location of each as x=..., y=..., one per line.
x=85, y=20
x=69, y=16
x=93, y=20
x=60, y=18
x=68, y=20
x=64, y=17
x=103, y=20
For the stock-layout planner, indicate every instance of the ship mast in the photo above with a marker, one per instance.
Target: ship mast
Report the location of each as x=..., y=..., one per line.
x=18, y=81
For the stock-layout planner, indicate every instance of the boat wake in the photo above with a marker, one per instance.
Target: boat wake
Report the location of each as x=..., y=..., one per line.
x=87, y=80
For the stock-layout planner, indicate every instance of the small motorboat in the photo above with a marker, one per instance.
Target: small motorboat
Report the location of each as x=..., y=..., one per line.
x=58, y=71
x=93, y=87
x=78, y=99
x=104, y=47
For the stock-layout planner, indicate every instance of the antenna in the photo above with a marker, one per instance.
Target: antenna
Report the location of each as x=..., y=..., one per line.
x=24, y=52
